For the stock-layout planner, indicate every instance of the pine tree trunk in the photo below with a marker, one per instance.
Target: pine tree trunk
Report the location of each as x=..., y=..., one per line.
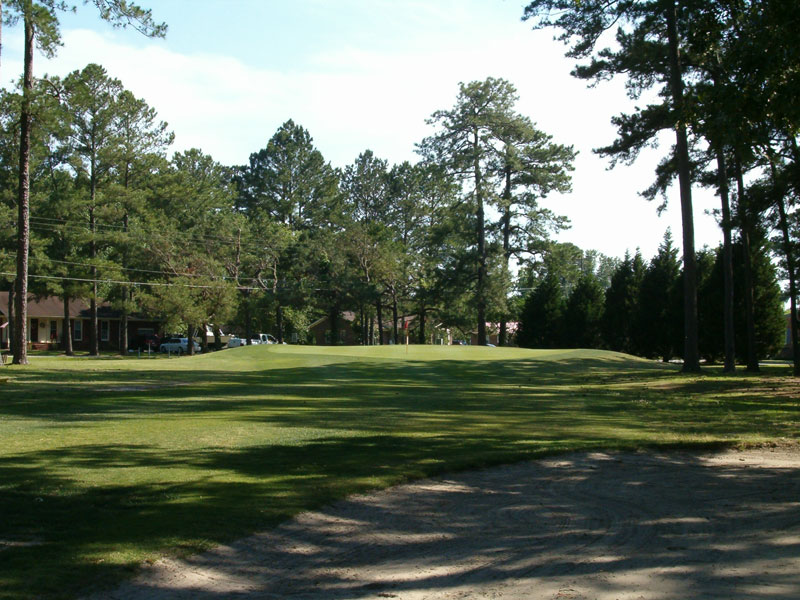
x=783, y=224
x=363, y=326
x=481, y=292
x=66, y=329
x=379, y=312
x=394, y=317
x=502, y=338
x=20, y=349
x=190, y=340
x=123, y=330
x=371, y=340
x=204, y=339
x=94, y=347
x=127, y=295
x=12, y=299
x=248, y=328
x=422, y=325
x=691, y=354
x=793, y=316
x=727, y=265
x=334, y=319
x=217, y=339
x=279, y=322
x=749, y=309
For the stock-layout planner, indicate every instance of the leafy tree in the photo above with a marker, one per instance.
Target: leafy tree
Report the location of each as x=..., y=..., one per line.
x=365, y=188
x=331, y=275
x=287, y=183
x=427, y=227
x=190, y=197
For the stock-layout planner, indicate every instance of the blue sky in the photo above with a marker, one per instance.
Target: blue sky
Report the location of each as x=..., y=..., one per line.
x=364, y=74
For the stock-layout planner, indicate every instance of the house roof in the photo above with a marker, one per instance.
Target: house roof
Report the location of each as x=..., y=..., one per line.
x=52, y=307
x=46, y=306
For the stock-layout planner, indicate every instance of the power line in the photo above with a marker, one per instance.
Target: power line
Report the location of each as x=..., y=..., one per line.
x=157, y=283
x=135, y=283
x=120, y=268
x=251, y=246
x=82, y=224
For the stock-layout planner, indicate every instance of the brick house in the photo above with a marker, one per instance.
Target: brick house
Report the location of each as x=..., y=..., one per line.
x=46, y=324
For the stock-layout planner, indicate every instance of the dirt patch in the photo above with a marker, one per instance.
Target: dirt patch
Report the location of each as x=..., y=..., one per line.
x=604, y=526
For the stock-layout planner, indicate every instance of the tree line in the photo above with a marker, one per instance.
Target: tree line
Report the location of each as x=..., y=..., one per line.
x=288, y=237
x=285, y=238
x=635, y=307
x=722, y=76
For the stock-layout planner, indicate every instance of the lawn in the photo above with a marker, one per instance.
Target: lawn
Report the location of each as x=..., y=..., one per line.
x=109, y=463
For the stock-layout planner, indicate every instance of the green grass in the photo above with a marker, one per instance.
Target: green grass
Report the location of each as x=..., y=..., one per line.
x=108, y=463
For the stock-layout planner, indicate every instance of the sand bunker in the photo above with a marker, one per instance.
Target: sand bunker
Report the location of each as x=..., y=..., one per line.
x=604, y=526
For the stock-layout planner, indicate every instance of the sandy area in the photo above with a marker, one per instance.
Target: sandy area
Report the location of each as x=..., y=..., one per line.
x=606, y=526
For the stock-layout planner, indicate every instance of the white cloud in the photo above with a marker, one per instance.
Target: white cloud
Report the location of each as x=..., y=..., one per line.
x=352, y=98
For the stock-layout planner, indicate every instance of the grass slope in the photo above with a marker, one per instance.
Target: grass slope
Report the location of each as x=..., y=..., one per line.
x=108, y=463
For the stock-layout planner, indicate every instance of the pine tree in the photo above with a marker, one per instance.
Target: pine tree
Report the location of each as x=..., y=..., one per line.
x=621, y=305
x=584, y=313
x=650, y=50
x=658, y=319
x=542, y=319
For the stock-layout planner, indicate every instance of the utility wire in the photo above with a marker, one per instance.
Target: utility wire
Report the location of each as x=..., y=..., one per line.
x=251, y=246
x=135, y=283
x=157, y=283
x=119, y=268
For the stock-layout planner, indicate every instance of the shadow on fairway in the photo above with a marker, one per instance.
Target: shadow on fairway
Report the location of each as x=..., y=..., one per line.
x=381, y=422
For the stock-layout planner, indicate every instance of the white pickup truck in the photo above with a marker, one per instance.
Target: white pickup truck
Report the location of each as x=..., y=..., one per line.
x=259, y=338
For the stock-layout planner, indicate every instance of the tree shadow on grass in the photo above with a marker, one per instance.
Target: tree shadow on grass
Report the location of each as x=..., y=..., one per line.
x=372, y=424
x=109, y=395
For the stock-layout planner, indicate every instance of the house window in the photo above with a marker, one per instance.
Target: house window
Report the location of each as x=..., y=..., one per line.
x=77, y=333
x=104, y=329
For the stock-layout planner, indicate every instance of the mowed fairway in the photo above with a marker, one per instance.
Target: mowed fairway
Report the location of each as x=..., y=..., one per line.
x=108, y=463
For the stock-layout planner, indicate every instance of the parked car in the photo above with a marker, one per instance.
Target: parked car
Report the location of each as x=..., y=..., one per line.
x=259, y=338
x=265, y=338
x=177, y=345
